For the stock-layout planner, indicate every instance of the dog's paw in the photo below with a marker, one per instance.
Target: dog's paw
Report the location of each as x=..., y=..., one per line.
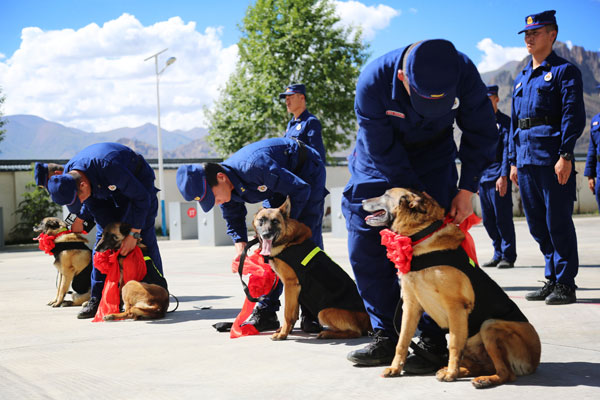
x=66, y=303
x=278, y=336
x=443, y=375
x=391, y=372
x=482, y=382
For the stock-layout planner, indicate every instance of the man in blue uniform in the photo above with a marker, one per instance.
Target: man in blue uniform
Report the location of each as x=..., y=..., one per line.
x=406, y=104
x=592, y=163
x=267, y=171
x=548, y=116
x=303, y=126
x=109, y=182
x=495, y=193
x=42, y=172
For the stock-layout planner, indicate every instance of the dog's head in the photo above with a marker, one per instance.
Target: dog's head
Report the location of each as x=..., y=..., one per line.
x=404, y=211
x=50, y=226
x=112, y=236
x=276, y=230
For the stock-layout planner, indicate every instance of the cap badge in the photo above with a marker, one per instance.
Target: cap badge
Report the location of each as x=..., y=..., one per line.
x=197, y=198
x=529, y=20
x=548, y=77
x=243, y=189
x=456, y=103
x=112, y=188
x=595, y=123
x=262, y=188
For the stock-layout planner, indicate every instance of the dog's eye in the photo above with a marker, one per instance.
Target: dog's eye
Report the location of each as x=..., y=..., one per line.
x=275, y=222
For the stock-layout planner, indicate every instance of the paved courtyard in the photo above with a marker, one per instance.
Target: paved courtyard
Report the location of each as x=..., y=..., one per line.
x=47, y=353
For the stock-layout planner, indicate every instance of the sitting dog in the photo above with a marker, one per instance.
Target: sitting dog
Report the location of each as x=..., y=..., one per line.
x=490, y=339
x=72, y=259
x=148, y=299
x=309, y=277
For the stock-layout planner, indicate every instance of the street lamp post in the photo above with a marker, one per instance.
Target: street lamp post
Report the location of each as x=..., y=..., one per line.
x=161, y=177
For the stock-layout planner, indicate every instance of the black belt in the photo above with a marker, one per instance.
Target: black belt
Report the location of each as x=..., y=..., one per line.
x=426, y=143
x=302, y=154
x=527, y=123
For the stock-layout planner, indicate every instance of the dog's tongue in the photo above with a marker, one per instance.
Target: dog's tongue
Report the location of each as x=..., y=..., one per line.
x=375, y=214
x=266, y=247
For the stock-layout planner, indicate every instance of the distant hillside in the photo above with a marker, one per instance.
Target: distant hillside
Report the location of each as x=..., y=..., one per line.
x=31, y=137
x=588, y=63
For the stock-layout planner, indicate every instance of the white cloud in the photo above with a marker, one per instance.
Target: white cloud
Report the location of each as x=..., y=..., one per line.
x=569, y=44
x=369, y=18
x=496, y=56
x=95, y=78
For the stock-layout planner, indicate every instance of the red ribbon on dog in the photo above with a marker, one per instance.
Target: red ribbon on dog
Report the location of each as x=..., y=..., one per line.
x=134, y=268
x=400, y=247
x=261, y=280
x=46, y=242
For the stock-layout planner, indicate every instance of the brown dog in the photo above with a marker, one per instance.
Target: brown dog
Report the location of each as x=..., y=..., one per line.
x=141, y=300
x=309, y=276
x=72, y=259
x=490, y=339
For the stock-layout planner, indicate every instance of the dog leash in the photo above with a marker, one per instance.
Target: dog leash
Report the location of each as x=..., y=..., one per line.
x=241, y=268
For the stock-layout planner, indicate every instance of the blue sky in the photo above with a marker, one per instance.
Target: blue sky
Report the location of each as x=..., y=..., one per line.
x=81, y=62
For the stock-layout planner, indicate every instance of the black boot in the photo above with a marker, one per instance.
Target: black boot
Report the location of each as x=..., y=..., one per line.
x=492, y=263
x=309, y=325
x=263, y=320
x=89, y=310
x=427, y=357
x=562, y=294
x=541, y=293
x=379, y=352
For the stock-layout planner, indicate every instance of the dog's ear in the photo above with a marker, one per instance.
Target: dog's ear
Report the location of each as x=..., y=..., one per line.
x=416, y=202
x=286, y=207
x=53, y=223
x=124, y=228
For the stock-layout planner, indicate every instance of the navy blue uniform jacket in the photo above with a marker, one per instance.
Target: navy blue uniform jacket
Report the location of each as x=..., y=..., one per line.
x=264, y=170
x=389, y=128
x=307, y=129
x=592, y=163
x=119, y=177
x=554, y=90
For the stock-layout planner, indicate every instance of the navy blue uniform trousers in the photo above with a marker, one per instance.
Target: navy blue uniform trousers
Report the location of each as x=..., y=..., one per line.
x=548, y=207
x=496, y=212
x=376, y=276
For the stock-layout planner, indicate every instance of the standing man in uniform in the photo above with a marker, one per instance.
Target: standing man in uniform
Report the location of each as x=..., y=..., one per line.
x=303, y=126
x=592, y=163
x=495, y=193
x=307, y=128
x=109, y=182
x=548, y=116
x=406, y=103
x=268, y=170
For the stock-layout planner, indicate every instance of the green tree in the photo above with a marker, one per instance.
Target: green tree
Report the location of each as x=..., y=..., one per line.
x=35, y=206
x=2, y=121
x=283, y=42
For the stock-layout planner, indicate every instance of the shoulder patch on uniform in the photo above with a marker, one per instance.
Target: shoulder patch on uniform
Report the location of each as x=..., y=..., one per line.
x=298, y=127
x=518, y=85
x=548, y=77
x=262, y=188
x=112, y=188
x=395, y=113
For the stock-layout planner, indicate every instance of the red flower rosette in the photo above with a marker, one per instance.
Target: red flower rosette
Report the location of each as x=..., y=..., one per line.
x=399, y=249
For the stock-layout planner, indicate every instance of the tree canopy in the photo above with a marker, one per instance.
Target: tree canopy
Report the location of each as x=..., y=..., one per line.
x=284, y=42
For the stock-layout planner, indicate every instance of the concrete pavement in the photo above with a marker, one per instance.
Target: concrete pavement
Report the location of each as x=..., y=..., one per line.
x=47, y=353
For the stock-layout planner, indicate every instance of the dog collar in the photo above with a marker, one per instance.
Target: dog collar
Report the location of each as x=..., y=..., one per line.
x=425, y=233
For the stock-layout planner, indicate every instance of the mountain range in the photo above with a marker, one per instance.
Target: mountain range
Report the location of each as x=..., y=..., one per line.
x=31, y=137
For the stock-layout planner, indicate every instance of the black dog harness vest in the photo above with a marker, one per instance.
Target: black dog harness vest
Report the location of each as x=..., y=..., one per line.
x=324, y=283
x=490, y=300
